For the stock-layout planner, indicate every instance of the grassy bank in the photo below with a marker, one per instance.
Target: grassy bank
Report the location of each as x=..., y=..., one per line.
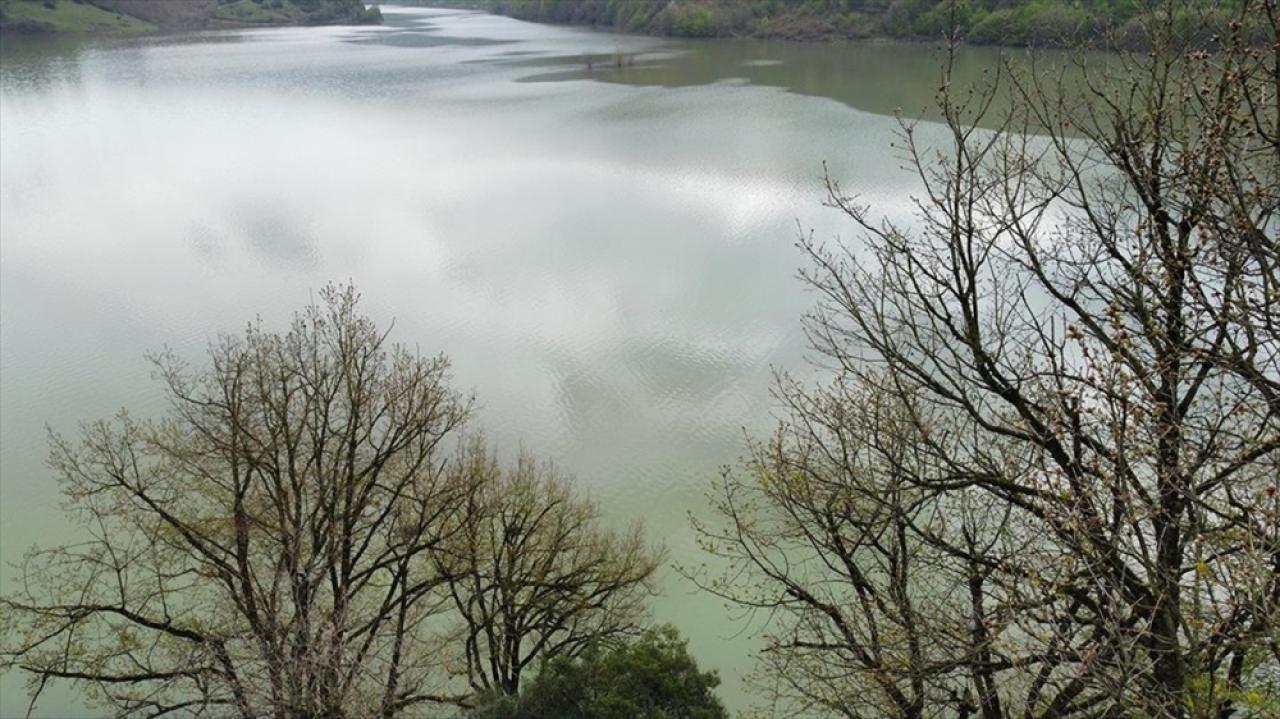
x=131, y=16
x=46, y=16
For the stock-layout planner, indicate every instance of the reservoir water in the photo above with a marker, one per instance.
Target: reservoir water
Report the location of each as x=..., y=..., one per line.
x=598, y=229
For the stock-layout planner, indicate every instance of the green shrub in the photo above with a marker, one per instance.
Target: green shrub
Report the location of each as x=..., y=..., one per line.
x=936, y=22
x=995, y=28
x=694, y=21
x=1054, y=26
x=653, y=678
x=899, y=19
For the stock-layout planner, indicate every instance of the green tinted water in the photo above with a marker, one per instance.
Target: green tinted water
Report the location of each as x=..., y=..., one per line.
x=597, y=229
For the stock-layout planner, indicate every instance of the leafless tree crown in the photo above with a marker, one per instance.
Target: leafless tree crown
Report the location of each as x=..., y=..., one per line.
x=1046, y=480
x=534, y=573
x=273, y=546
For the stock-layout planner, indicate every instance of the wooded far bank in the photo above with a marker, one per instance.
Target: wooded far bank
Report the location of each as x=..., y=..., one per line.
x=1041, y=23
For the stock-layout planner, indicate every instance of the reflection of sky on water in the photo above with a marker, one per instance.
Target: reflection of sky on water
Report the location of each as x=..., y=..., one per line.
x=609, y=265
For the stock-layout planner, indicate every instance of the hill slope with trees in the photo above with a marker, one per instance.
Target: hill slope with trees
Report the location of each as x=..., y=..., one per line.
x=989, y=22
x=46, y=16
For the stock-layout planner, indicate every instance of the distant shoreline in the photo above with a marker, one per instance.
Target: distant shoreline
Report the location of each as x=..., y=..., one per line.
x=131, y=17
x=1046, y=24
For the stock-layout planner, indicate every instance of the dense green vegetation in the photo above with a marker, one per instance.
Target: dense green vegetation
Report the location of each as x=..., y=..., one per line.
x=65, y=16
x=40, y=16
x=1004, y=22
x=654, y=678
x=287, y=12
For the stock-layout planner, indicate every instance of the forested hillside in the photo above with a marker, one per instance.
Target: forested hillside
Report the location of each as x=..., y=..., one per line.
x=991, y=22
x=40, y=16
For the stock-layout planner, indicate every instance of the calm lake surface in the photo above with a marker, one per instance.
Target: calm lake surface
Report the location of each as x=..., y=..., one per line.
x=605, y=252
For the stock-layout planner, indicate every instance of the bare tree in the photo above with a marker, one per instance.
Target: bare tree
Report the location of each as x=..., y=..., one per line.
x=260, y=551
x=1074, y=509
x=533, y=572
x=874, y=582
